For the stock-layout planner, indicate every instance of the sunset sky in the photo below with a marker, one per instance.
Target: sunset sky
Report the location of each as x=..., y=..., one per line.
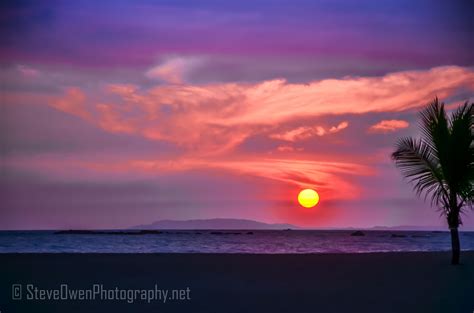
x=119, y=113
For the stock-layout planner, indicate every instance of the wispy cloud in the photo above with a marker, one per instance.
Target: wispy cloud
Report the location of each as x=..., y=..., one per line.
x=210, y=121
x=285, y=149
x=387, y=126
x=217, y=117
x=301, y=173
x=339, y=127
x=305, y=132
x=73, y=102
x=173, y=70
x=28, y=71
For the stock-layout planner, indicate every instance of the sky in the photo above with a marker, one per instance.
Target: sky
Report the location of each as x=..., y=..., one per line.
x=120, y=113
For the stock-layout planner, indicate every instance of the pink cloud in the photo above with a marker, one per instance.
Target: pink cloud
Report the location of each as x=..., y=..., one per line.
x=215, y=118
x=305, y=174
x=300, y=173
x=285, y=148
x=299, y=133
x=387, y=126
x=209, y=121
x=73, y=103
x=111, y=120
x=305, y=132
x=339, y=127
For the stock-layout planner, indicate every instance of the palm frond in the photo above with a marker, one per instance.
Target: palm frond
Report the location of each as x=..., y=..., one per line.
x=462, y=153
x=441, y=163
x=419, y=164
x=435, y=131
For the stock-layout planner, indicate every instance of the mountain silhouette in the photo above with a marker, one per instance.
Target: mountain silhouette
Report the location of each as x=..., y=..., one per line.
x=215, y=223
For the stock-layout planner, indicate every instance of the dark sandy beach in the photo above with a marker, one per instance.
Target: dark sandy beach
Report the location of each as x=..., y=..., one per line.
x=380, y=282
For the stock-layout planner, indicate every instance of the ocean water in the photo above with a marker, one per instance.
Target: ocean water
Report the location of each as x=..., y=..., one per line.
x=231, y=241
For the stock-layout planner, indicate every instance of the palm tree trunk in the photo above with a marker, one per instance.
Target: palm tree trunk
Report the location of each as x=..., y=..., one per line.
x=455, y=246
x=453, y=222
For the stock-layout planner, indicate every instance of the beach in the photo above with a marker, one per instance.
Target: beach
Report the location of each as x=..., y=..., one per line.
x=365, y=282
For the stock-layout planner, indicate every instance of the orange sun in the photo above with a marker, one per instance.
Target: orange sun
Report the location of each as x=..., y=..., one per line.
x=308, y=198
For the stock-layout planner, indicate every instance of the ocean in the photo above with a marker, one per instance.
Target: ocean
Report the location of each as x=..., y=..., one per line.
x=231, y=241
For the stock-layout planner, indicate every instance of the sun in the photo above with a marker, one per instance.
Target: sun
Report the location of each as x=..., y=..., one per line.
x=308, y=198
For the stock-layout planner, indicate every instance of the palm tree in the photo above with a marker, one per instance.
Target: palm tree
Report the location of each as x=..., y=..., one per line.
x=441, y=163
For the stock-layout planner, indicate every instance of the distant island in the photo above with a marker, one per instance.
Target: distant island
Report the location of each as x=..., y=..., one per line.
x=410, y=228
x=215, y=223
x=234, y=223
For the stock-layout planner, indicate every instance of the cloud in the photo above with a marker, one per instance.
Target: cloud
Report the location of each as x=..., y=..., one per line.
x=339, y=127
x=215, y=118
x=73, y=102
x=285, y=148
x=112, y=121
x=302, y=133
x=173, y=70
x=387, y=126
x=304, y=174
x=214, y=128
x=299, y=133
x=301, y=173
x=28, y=71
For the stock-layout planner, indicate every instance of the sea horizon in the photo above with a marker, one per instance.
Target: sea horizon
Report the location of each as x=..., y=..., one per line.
x=229, y=241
